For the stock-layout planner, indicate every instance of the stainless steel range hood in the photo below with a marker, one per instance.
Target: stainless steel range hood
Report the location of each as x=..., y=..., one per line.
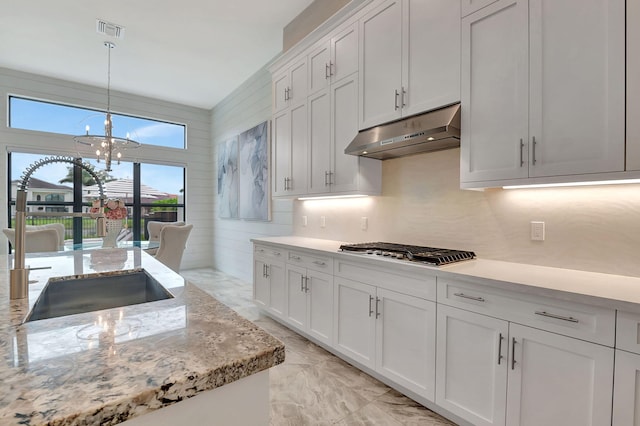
x=430, y=131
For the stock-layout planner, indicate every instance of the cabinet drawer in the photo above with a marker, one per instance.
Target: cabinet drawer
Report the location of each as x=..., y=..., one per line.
x=419, y=285
x=269, y=252
x=591, y=323
x=628, y=332
x=310, y=261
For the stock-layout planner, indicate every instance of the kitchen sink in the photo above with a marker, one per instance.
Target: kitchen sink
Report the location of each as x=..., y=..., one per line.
x=72, y=295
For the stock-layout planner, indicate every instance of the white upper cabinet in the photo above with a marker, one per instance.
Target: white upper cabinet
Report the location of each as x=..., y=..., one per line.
x=542, y=93
x=333, y=58
x=290, y=86
x=409, y=59
x=290, y=151
x=633, y=85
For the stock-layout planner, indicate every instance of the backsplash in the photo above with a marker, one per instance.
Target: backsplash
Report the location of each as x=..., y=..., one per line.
x=588, y=228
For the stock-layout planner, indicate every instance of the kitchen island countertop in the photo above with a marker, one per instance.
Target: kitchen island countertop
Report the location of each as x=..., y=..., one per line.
x=108, y=366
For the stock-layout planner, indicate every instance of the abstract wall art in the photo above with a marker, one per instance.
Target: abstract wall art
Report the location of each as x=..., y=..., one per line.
x=228, y=179
x=253, y=165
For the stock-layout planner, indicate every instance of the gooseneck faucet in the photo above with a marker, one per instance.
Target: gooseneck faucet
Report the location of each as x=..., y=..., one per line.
x=19, y=275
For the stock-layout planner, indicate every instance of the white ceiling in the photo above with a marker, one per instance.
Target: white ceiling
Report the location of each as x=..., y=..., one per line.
x=194, y=52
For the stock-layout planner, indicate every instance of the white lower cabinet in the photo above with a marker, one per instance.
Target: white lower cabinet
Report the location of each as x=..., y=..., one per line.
x=268, y=285
x=557, y=380
x=389, y=332
x=471, y=372
x=309, y=300
x=492, y=372
x=626, y=391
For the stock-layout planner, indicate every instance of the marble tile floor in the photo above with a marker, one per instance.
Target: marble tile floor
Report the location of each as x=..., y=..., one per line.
x=312, y=386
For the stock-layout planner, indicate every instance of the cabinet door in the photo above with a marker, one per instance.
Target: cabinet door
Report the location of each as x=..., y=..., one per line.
x=344, y=127
x=355, y=322
x=406, y=341
x=577, y=86
x=344, y=53
x=260, y=283
x=471, y=367
x=281, y=152
x=296, y=312
x=557, y=380
x=319, y=69
x=431, y=29
x=380, y=64
x=633, y=85
x=276, y=277
x=298, y=83
x=494, y=87
x=319, y=142
x=320, y=306
x=298, y=183
x=626, y=391
x=280, y=92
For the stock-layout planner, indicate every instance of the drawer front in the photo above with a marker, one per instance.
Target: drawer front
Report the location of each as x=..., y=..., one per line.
x=628, y=332
x=591, y=323
x=311, y=261
x=270, y=252
x=418, y=285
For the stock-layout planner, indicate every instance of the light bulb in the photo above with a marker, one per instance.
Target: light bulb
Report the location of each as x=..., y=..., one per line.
x=127, y=135
x=87, y=128
x=98, y=152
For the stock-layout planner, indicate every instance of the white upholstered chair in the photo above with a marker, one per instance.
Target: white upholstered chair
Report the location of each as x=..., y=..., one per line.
x=36, y=240
x=173, y=240
x=154, y=228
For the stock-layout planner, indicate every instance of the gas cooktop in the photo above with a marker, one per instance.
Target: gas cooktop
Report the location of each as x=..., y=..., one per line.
x=428, y=255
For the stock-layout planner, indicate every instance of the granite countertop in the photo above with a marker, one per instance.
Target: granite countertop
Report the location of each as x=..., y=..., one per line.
x=608, y=290
x=108, y=366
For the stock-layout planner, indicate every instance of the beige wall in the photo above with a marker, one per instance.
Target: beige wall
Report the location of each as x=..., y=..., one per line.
x=589, y=228
x=308, y=20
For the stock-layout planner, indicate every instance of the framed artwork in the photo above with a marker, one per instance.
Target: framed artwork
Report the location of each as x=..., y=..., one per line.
x=228, y=179
x=253, y=165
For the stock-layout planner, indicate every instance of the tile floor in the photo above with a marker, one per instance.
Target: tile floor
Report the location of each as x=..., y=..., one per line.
x=313, y=387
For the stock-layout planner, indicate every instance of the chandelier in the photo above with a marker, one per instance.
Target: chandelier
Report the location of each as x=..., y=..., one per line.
x=107, y=146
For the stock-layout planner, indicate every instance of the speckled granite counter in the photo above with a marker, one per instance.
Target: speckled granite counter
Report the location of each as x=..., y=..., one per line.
x=108, y=366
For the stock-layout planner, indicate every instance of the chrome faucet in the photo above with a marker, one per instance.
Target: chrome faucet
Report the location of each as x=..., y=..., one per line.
x=19, y=275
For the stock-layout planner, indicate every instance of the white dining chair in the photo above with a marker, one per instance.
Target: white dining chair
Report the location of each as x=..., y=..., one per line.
x=36, y=240
x=173, y=240
x=154, y=228
x=57, y=226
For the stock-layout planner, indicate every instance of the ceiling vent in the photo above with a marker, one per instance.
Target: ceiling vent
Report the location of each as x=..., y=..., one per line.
x=109, y=29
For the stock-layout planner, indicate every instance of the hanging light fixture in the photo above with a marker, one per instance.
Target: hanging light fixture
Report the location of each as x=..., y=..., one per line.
x=107, y=146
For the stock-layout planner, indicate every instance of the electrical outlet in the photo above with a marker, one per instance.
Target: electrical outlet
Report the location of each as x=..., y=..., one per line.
x=323, y=221
x=304, y=221
x=537, y=231
x=364, y=223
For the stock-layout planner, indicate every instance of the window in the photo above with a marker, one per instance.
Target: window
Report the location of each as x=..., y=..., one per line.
x=150, y=192
x=68, y=120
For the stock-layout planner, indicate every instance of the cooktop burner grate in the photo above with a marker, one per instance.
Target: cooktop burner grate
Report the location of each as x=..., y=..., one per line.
x=430, y=255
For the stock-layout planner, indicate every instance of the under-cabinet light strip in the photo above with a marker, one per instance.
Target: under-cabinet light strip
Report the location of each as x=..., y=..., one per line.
x=331, y=197
x=592, y=183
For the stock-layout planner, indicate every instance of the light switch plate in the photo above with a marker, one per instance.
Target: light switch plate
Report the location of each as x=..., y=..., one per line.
x=364, y=223
x=537, y=231
x=323, y=221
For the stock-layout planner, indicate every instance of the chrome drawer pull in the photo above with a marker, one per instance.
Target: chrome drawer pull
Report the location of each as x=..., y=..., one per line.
x=298, y=258
x=317, y=262
x=370, y=308
x=500, y=339
x=277, y=253
x=560, y=317
x=513, y=353
x=464, y=296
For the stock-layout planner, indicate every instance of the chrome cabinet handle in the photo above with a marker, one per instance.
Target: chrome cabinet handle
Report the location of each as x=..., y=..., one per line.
x=402, y=99
x=260, y=250
x=533, y=156
x=370, y=302
x=513, y=353
x=301, y=282
x=277, y=253
x=319, y=263
x=396, y=99
x=331, y=64
x=306, y=284
x=465, y=296
x=294, y=257
x=327, y=71
x=500, y=339
x=326, y=178
x=377, y=307
x=266, y=271
x=555, y=316
x=330, y=178
x=521, y=151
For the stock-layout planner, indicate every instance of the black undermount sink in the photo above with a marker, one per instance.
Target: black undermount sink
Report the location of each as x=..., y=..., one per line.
x=70, y=296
